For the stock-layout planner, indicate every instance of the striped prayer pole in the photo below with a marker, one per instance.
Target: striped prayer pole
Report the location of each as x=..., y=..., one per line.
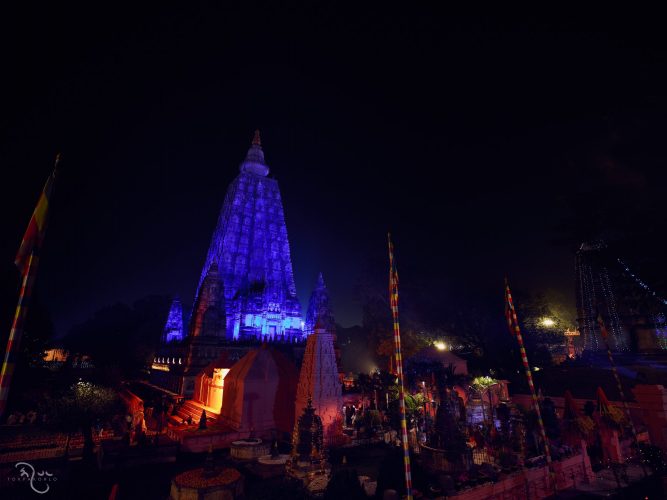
x=27, y=261
x=619, y=385
x=393, y=299
x=513, y=324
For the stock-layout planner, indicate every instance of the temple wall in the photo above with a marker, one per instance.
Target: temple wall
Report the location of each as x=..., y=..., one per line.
x=533, y=483
x=653, y=402
x=526, y=401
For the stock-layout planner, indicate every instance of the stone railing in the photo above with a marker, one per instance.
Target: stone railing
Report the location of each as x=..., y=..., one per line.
x=534, y=483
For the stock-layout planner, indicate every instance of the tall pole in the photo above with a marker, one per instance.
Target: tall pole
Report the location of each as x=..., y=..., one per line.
x=27, y=260
x=513, y=323
x=14, y=341
x=393, y=298
x=619, y=387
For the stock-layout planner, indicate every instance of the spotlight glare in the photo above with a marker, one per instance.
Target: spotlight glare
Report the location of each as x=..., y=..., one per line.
x=548, y=322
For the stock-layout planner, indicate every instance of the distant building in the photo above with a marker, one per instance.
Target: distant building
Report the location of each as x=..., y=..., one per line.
x=596, y=298
x=55, y=355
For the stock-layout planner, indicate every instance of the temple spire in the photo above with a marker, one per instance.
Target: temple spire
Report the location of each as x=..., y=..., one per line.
x=254, y=159
x=209, y=310
x=319, y=309
x=173, y=328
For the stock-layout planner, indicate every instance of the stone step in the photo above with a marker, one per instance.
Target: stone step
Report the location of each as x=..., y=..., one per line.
x=192, y=409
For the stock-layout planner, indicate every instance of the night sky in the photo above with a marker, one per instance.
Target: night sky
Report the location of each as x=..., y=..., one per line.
x=487, y=144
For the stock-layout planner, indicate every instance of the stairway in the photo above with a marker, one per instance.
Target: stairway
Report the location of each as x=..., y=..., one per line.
x=191, y=408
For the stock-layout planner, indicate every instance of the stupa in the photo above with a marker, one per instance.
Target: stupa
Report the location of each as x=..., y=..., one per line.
x=319, y=380
x=308, y=461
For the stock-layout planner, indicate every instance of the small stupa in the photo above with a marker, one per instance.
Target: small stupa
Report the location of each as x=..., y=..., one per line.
x=308, y=438
x=308, y=462
x=319, y=384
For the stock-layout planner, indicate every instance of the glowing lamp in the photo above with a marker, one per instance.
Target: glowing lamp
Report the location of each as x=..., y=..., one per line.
x=548, y=322
x=440, y=346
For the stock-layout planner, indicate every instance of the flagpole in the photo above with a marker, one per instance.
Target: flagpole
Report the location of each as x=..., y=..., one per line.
x=28, y=274
x=14, y=341
x=619, y=386
x=393, y=296
x=513, y=323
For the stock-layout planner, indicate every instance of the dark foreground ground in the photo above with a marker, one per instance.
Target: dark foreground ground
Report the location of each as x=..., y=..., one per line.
x=77, y=480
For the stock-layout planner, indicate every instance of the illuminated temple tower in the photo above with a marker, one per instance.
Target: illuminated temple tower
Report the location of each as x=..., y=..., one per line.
x=251, y=251
x=596, y=295
x=319, y=308
x=246, y=289
x=173, y=328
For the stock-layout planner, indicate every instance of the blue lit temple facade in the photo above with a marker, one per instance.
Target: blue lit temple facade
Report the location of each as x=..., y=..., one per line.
x=252, y=254
x=173, y=328
x=246, y=292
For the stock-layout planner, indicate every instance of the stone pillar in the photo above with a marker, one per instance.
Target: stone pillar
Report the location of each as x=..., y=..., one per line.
x=652, y=400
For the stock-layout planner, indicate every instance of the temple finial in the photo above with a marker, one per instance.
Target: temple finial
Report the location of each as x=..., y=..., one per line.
x=254, y=159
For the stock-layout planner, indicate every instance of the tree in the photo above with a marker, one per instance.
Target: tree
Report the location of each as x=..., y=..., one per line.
x=447, y=432
x=121, y=336
x=482, y=385
x=543, y=318
x=79, y=407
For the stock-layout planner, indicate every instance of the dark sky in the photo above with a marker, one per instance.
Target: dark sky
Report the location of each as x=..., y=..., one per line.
x=487, y=144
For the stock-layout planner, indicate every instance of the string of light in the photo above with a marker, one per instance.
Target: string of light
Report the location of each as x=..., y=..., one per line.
x=639, y=281
x=596, y=295
x=658, y=319
x=620, y=338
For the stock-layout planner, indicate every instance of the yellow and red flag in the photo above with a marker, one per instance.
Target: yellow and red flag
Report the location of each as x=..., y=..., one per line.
x=34, y=234
x=27, y=260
